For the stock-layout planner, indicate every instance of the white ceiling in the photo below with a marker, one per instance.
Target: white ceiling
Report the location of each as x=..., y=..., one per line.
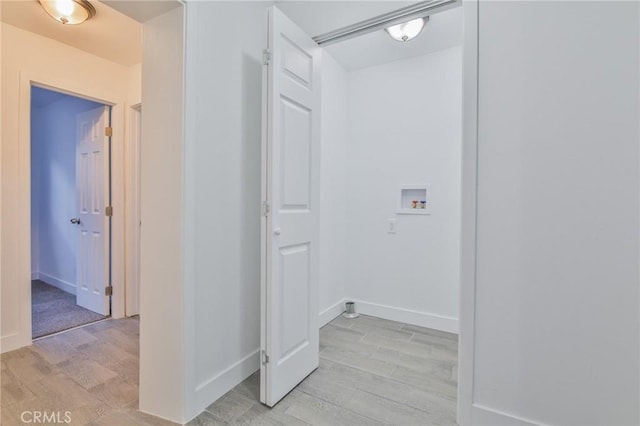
x=142, y=10
x=115, y=35
x=443, y=30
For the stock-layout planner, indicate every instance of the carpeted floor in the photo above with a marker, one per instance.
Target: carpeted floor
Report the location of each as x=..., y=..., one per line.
x=54, y=310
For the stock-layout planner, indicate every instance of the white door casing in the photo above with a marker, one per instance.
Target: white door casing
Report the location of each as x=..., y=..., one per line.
x=291, y=160
x=92, y=198
x=132, y=249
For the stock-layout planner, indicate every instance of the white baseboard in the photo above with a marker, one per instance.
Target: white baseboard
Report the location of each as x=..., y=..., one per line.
x=485, y=416
x=213, y=388
x=331, y=312
x=35, y=276
x=408, y=316
x=56, y=282
x=13, y=342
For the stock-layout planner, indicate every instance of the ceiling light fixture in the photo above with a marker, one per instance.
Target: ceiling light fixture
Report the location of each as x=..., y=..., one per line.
x=69, y=12
x=407, y=30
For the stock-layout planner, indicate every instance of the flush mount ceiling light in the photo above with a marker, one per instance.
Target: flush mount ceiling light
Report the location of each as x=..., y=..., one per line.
x=68, y=12
x=407, y=30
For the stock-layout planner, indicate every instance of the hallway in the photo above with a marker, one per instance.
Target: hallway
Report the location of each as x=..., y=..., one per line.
x=372, y=371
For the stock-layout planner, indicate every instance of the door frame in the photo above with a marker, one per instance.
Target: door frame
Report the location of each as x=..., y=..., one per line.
x=69, y=87
x=133, y=209
x=467, y=411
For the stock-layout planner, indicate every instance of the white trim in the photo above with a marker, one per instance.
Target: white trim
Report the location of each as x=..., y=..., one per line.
x=57, y=282
x=35, y=275
x=132, y=205
x=189, y=230
x=482, y=415
x=13, y=341
x=91, y=92
x=329, y=314
x=216, y=386
x=407, y=316
x=466, y=355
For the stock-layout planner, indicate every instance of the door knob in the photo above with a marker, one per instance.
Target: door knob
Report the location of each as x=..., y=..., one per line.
x=75, y=221
x=276, y=231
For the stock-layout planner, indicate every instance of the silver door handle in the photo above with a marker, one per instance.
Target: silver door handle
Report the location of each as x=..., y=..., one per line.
x=276, y=231
x=75, y=221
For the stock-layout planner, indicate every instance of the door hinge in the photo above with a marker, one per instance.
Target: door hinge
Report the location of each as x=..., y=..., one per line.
x=266, y=56
x=108, y=211
x=266, y=209
x=108, y=131
x=108, y=290
x=265, y=357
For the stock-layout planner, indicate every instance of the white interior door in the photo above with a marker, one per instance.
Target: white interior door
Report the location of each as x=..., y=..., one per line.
x=291, y=160
x=92, y=195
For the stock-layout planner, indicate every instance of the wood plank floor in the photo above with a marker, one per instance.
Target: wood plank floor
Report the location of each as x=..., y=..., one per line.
x=372, y=371
x=91, y=372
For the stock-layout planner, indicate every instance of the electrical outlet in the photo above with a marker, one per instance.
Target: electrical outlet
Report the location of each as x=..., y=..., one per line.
x=391, y=226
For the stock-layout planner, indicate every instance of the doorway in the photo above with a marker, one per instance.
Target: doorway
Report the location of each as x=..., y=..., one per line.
x=70, y=229
x=389, y=192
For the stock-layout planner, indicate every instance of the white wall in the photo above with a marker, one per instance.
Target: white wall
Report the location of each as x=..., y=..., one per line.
x=557, y=330
x=224, y=92
x=334, y=200
x=405, y=129
x=222, y=190
x=162, y=313
x=27, y=56
x=53, y=190
x=135, y=84
x=223, y=194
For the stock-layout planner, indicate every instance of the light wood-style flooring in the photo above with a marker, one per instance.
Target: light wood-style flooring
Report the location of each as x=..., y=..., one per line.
x=90, y=372
x=372, y=371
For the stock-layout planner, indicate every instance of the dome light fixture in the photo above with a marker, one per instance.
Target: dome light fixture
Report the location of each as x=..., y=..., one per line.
x=407, y=30
x=68, y=12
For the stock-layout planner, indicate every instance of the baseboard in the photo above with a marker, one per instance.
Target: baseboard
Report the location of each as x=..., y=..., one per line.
x=485, y=416
x=408, y=316
x=35, y=276
x=56, y=282
x=213, y=388
x=331, y=312
x=223, y=382
x=13, y=342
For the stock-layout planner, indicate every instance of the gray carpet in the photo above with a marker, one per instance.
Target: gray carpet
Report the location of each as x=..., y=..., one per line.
x=54, y=310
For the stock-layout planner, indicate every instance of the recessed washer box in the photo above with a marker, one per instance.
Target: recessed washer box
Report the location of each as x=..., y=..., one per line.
x=415, y=199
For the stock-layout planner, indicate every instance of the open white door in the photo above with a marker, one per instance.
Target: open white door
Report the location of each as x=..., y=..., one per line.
x=291, y=160
x=92, y=195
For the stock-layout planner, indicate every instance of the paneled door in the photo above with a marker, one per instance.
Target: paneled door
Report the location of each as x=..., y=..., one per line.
x=290, y=160
x=93, y=220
